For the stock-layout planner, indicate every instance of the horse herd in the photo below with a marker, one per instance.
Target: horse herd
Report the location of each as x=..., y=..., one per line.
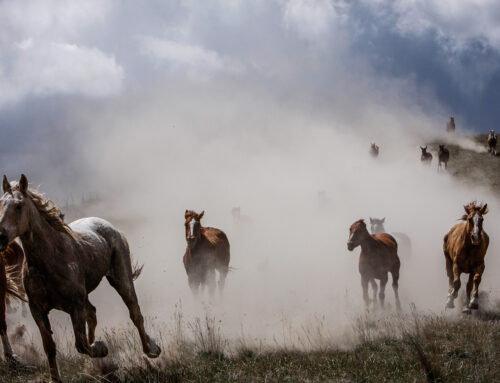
x=59, y=264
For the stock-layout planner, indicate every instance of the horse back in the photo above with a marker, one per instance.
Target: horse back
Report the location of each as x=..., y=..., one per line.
x=218, y=242
x=387, y=241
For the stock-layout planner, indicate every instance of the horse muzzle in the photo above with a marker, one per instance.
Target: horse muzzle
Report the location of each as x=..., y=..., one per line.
x=475, y=239
x=350, y=246
x=4, y=242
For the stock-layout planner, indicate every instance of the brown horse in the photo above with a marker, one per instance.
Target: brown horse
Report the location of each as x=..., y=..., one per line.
x=207, y=250
x=64, y=264
x=426, y=157
x=379, y=256
x=464, y=249
x=443, y=157
x=450, y=125
x=374, y=149
x=10, y=287
x=492, y=142
x=14, y=260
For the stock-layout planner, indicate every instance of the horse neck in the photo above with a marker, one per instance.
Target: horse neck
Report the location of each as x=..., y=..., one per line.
x=368, y=242
x=41, y=241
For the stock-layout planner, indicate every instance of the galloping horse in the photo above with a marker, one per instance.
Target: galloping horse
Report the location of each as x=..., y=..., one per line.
x=464, y=249
x=492, y=142
x=426, y=157
x=14, y=258
x=10, y=286
x=450, y=125
x=207, y=250
x=403, y=241
x=443, y=157
x=64, y=264
x=378, y=257
x=374, y=149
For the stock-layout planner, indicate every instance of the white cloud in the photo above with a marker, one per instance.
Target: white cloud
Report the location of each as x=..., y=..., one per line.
x=41, y=68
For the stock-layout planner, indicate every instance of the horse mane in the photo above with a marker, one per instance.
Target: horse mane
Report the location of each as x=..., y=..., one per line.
x=48, y=210
x=472, y=206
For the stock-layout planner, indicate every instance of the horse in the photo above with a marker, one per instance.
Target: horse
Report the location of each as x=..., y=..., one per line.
x=207, y=250
x=403, y=241
x=10, y=287
x=492, y=143
x=374, y=149
x=464, y=249
x=378, y=257
x=64, y=263
x=14, y=258
x=426, y=157
x=450, y=125
x=443, y=157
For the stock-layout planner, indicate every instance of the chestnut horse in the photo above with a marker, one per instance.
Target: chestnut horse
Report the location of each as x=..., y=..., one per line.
x=443, y=157
x=14, y=258
x=10, y=286
x=464, y=249
x=379, y=256
x=425, y=157
x=207, y=250
x=64, y=263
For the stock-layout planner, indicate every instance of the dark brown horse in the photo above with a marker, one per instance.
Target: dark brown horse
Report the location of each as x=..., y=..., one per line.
x=379, y=256
x=492, y=142
x=443, y=157
x=464, y=248
x=207, y=250
x=450, y=125
x=14, y=260
x=10, y=287
x=374, y=149
x=64, y=264
x=426, y=157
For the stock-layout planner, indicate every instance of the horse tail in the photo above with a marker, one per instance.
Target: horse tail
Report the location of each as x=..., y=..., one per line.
x=136, y=270
x=14, y=285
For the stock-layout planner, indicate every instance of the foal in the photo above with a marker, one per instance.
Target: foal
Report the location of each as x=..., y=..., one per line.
x=378, y=257
x=426, y=157
x=207, y=250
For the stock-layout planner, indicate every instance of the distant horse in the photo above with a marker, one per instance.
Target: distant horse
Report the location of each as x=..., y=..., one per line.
x=207, y=250
x=492, y=142
x=239, y=218
x=14, y=258
x=443, y=157
x=64, y=264
x=403, y=241
x=379, y=256
x=450, y=125
x=10, y=287
x=464, y=249
x=374, y=149
x=426, y=157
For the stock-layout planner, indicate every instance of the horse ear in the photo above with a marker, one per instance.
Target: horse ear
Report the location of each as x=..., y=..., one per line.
x=23, y=184
x=6, y=185
x=186, y=214
x=484, y=209
x=467, y=209
x=200, y=216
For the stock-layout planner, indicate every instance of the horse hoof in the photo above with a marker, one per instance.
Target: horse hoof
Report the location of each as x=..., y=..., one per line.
x=154, y=350
x=450, y=304
x=98, y=350
x=467, y=311
x=474, y=303
x=13, y=360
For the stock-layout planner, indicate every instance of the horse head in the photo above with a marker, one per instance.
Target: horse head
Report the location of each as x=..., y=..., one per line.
x=424, y=149
x=474, y=221
x=193, y=227
x=14, y=211
x=377, y=225
x=357, y=232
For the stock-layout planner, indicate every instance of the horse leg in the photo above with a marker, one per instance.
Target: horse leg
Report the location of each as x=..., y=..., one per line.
x=395, y=287
x=364, y=286
x=455, y=286
x=374, y=285
x=91, y=320
x=222, y=278
x=474, y=303
x=79, y=317
x=42, y=321
x=449, y=272
x=7, y=349
x=194, y=284
x=466, y=309
x=210, y=281
x=381, y=294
